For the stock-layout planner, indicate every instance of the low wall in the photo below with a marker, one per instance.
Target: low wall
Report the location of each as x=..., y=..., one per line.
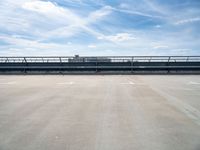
x=99, y=67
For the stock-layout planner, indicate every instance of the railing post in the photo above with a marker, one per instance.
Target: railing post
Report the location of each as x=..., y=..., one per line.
x=60, y=65
x=25, y=65
x=132, y=64
x=25, y=60
x=96, y=65
x=187, y=59
x=168, y=70
x=169, y=59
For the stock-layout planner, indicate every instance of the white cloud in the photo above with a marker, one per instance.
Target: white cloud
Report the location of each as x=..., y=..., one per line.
x=41, y=7
x=190, y=20
x=19, y=46
x=92, y=46
x=52, y=10
x=181, y=50
x=160, y=46
x=136, y=12
x=120, y=37
x=142, y=8
x=106, y=10
x=45, y=20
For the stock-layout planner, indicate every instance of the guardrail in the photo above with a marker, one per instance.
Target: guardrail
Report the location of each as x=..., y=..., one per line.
x=63, y=59
x=114, y=64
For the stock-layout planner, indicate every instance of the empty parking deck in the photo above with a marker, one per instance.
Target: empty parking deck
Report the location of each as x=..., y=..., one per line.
x=115, y=112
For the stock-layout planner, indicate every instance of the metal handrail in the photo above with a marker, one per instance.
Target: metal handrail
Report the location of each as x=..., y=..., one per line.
x=64, y=59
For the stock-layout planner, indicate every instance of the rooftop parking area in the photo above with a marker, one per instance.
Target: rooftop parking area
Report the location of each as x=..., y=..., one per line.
x=99, y=112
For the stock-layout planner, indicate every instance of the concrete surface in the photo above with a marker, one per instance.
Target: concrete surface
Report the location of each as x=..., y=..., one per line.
x=149, y=112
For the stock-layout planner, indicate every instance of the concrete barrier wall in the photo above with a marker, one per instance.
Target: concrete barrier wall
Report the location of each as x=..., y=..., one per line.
x=98, y=67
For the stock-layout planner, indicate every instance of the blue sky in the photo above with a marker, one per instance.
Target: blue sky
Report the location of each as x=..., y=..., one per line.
x=99, y=27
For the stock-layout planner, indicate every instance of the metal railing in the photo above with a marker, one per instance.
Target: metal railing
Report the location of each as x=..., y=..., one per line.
x=66, y=59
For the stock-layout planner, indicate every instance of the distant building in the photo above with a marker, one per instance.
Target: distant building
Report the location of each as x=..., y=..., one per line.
x=89, y=59
x=77, y=59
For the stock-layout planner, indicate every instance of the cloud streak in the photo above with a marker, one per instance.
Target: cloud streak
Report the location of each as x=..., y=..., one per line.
x=119, y=37
x=190, y=20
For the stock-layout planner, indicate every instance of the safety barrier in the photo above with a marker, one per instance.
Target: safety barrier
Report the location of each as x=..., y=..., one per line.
x=101, y=64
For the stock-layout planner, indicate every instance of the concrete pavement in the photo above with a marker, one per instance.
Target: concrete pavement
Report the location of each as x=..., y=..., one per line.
x=96, y=112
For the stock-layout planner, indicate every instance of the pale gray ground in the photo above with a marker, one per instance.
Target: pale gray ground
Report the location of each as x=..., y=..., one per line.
x=149, y=112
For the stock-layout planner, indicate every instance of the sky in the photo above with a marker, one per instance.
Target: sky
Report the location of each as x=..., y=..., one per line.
x=99, y=27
